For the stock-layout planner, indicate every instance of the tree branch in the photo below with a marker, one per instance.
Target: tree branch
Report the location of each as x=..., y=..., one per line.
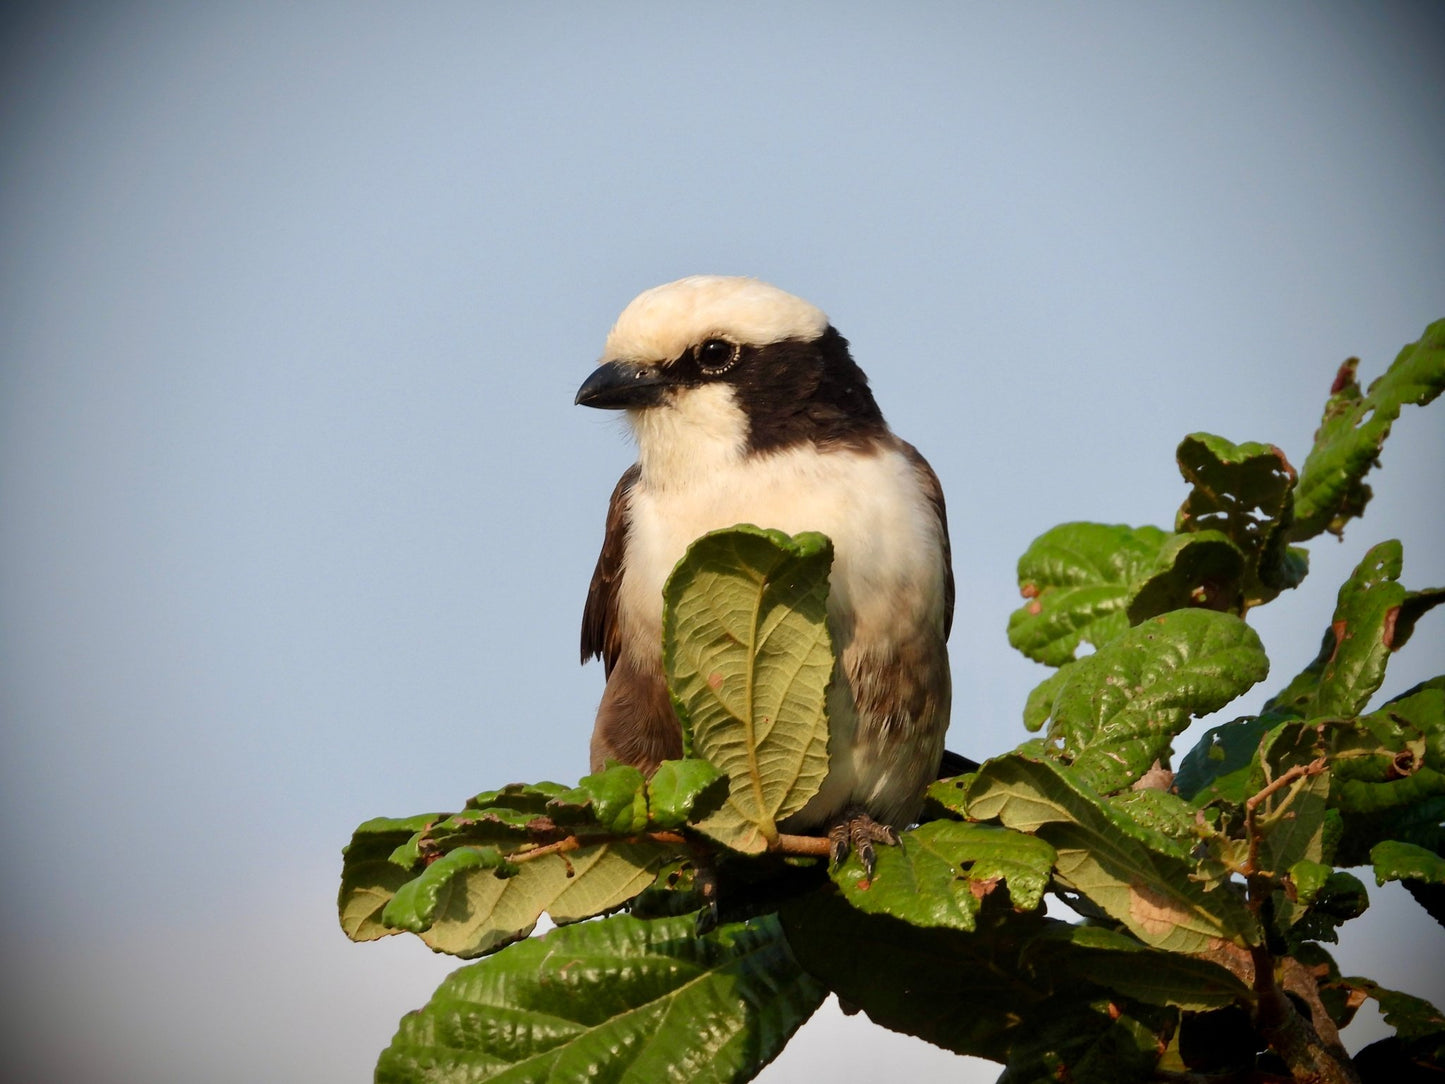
x=1311, y=1057
x=1290, y=1035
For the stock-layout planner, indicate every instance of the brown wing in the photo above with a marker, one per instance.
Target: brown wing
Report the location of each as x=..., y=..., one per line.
x=934, y=492
x=601, y=637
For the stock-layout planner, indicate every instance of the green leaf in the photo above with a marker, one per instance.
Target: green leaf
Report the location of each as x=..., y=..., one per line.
x=1394, y=764
x=1096, y=954
x=1411, y=1017
x=1363, y=626
x=414, y=907
x=1245, y=493
x=1219, y=767
x=1040, y=703
x=1417, y=1049
x=1130, y=871
x=1204, y=569
x=1083, y=1042
x=600, y=877
x=522, y=797
x=1165, y=813
x=1308, y=878
x=470, y=882
x=675, y=891
x=965, y=992
x=681, y=787
x=1120, y=707
x=940, y=873
x=1384, y=784
x=1341, y=898
x=1408, y=736
x=1415, y=606
x=620, y=999
x=1331, y=488
x=945, y=797
x=1078, y=579
x=1396, y=861
x=750, y=661
x=1291, y=823
x=369, y=879
x=479, y=909
x=615, y=799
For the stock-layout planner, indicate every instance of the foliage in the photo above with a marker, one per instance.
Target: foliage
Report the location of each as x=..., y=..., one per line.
x=1205, y=895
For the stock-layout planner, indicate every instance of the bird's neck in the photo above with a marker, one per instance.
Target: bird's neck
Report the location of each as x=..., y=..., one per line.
x=690, y=438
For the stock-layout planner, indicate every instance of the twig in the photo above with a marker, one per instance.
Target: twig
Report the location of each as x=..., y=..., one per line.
x=799, y=846
x=1314, y=767
x=572, y=843
x=1299, y=771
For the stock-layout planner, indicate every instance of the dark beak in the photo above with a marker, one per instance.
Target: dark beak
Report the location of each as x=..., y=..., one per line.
x=618, y=385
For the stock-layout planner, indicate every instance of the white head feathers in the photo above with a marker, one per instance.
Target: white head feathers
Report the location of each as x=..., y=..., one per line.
x=663, y=322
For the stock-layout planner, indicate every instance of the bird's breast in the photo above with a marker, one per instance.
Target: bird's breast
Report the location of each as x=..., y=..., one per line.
x=888, y=568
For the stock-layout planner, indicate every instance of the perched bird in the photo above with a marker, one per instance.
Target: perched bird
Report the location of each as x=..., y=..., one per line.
x=747, y=407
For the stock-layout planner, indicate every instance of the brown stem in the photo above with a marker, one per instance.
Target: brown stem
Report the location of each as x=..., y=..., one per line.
x=1300, y=981
x=1290, y=1035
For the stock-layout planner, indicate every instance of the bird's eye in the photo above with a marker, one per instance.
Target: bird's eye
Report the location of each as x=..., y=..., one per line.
x=716, y=355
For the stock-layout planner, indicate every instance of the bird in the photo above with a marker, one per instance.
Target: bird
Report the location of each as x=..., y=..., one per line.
x=747, y=407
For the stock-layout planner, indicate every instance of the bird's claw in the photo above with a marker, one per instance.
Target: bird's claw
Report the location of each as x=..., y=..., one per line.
x=857, y=832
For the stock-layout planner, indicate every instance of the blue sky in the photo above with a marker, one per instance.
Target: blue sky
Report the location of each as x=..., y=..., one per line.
x=297, y=516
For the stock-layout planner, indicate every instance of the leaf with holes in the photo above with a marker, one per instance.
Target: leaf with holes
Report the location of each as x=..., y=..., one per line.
x=1121, y=706
x=1220, y=766
x=1245, y=493
x=940, y=873
x=1331, y=489
x=1392, y=786
x=1363, y=625
x=1397, y=861
x=1078, y=579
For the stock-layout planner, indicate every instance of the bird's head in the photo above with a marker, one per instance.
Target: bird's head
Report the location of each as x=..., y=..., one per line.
x=717, y=366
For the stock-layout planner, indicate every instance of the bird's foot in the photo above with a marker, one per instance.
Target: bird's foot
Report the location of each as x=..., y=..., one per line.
x=857, y=832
